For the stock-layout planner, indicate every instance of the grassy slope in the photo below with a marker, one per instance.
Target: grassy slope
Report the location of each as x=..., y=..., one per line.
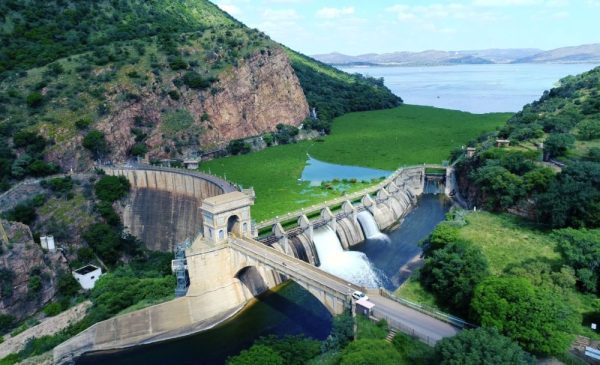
x=380, y=139
x=404, y=136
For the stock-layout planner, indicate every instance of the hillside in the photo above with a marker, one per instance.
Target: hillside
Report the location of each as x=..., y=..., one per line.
x=551, y=172
x=579, y=54
x=114, y=80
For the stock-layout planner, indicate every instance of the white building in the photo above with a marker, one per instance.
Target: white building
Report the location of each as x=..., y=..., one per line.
x=87, y=276
x=47, y=243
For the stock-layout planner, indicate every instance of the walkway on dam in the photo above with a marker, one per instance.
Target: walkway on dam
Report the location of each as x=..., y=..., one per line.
x=337, y=201
x=400, y=316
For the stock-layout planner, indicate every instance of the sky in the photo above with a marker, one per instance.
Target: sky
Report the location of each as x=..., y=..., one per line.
x=377, y=26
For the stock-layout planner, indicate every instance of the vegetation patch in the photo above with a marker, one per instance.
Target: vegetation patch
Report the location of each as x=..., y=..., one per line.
x=176, y=121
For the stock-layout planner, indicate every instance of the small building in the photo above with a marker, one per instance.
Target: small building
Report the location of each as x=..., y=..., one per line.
x=470, y=152
x=364, y=307
x=87, y=276
x=191, y=164
x=502, y=143
x=47, y=243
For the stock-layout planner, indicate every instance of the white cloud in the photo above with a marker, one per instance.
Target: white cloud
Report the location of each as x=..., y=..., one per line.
x=506, y=3
x=421, y=13
x=230, y=8
x=332, y=13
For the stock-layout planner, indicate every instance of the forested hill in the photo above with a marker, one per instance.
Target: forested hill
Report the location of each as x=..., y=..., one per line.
x=552, y=168
x=117, y=79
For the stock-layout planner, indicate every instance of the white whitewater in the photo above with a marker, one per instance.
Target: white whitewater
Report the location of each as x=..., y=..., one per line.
x=369, y=226
x=352, y=266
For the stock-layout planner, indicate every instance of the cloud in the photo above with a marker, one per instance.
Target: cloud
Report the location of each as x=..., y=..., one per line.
x=332, y=13
x=230, y=8
x=427, y=13
x=507, y=3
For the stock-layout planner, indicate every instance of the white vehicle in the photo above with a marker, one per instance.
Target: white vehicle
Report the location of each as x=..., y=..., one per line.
x=359, y=295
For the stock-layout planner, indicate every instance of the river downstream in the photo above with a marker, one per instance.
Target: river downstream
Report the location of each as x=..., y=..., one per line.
x=289, y=309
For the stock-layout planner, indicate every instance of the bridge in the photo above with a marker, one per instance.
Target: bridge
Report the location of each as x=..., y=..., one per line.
x=335, y=293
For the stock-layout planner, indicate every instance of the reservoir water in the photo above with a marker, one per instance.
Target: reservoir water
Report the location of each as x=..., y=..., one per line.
x=317, y=171
x=473, y=88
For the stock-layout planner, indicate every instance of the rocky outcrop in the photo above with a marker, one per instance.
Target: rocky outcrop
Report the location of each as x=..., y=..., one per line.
x=247, y=100
x=23, y=265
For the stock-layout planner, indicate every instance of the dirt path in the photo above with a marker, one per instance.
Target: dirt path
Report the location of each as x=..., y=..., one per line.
x=49, y=326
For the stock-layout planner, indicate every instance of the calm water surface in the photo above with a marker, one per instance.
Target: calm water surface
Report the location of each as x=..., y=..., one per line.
x=291, y=310
x=317, y=171
x=473, y=88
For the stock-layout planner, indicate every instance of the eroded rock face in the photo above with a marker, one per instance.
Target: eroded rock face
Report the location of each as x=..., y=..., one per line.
x=247, y=100
x=25, y=259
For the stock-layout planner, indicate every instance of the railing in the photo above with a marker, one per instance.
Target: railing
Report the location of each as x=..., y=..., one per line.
x=227, y=186
x=342, y=199
x=430, y=311
x=397, y=325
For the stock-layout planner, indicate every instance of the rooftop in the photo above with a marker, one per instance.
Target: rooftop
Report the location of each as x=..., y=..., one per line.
x=363, y=302
x=86, y=269
x=226, y=198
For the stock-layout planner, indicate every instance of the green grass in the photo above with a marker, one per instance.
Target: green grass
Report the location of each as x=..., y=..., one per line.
x=506, y=240
x=407, y=135
x=383, y=139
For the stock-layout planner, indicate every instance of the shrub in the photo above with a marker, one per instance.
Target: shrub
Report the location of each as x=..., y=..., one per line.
x=139, y=149
x=96, y=143
x=105, y=240
x=7, y=323
x=238, y=146
x=111, y=188
x=52, y=309
x=34, y=99
x=257, y=354
x=194, y=80
x=370, y=351
x=23, y=212
x=83, y=123
x=173, y=94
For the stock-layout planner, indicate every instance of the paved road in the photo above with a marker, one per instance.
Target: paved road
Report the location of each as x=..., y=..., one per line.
x=398, y=315
x=424, y=326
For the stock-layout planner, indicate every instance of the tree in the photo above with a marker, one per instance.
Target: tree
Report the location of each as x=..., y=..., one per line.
x=112, y=188
x=194, y=80
x=589, y=129
x=451, y=274
x=483, y=346
x=580, y=249
x=105, y=241
x=294, y=350
x=238, y=146
x=370, y=352
x=501, y=187
x=442, y=235
x=96, y=143
x=257, y=354
x=533, y=317
x=342, y=332
x=557, y=144
x=139, y=149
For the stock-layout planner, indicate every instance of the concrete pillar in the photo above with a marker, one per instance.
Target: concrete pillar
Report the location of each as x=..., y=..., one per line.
x=349, y=209
x=329, y=217
x=282, y=238
x=382, y=194
x=307, y=227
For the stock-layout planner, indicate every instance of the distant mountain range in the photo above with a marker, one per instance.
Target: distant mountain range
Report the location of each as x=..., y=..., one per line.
x=577, y=54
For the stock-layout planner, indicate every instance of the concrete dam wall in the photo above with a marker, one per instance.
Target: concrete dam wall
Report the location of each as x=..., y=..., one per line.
x=163, y=206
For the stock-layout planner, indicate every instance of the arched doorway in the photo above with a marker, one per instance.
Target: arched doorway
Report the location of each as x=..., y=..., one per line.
x=252, y=280
x=233, y=225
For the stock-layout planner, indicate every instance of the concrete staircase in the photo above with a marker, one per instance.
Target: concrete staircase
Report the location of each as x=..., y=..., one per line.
x=391, y=335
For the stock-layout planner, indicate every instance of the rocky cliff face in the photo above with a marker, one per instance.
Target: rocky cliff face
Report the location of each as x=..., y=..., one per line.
x=247, y=100
x=29, y=275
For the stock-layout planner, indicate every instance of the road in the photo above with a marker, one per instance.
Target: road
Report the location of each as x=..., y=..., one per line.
x=398, y=315
x=428, y=328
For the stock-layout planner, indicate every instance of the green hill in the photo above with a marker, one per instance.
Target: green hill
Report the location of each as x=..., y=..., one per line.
x=160, y=79
x=552, y=169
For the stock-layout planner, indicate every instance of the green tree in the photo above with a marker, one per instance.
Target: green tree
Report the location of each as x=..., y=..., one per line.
x=557, y=144
x=589, y=129
x=501, y=187
x=536, y=318
x=451, y=274
x=105, y=241
x=112, y=188
x=370, y=352
x=483, y=346
x=257, y=354
x=7, y=322
x=442, y=235
x=294, y=350
x=342, y=332
x=580, y=249
x=96, y=143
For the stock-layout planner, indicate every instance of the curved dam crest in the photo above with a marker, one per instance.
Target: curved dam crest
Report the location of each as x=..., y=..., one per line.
x=227, y=270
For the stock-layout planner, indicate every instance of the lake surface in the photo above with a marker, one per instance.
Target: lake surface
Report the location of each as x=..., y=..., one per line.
x=473, y=88
x=317, y=171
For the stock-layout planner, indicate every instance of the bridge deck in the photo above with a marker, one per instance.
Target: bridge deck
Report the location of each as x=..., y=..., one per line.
x=398, y=315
